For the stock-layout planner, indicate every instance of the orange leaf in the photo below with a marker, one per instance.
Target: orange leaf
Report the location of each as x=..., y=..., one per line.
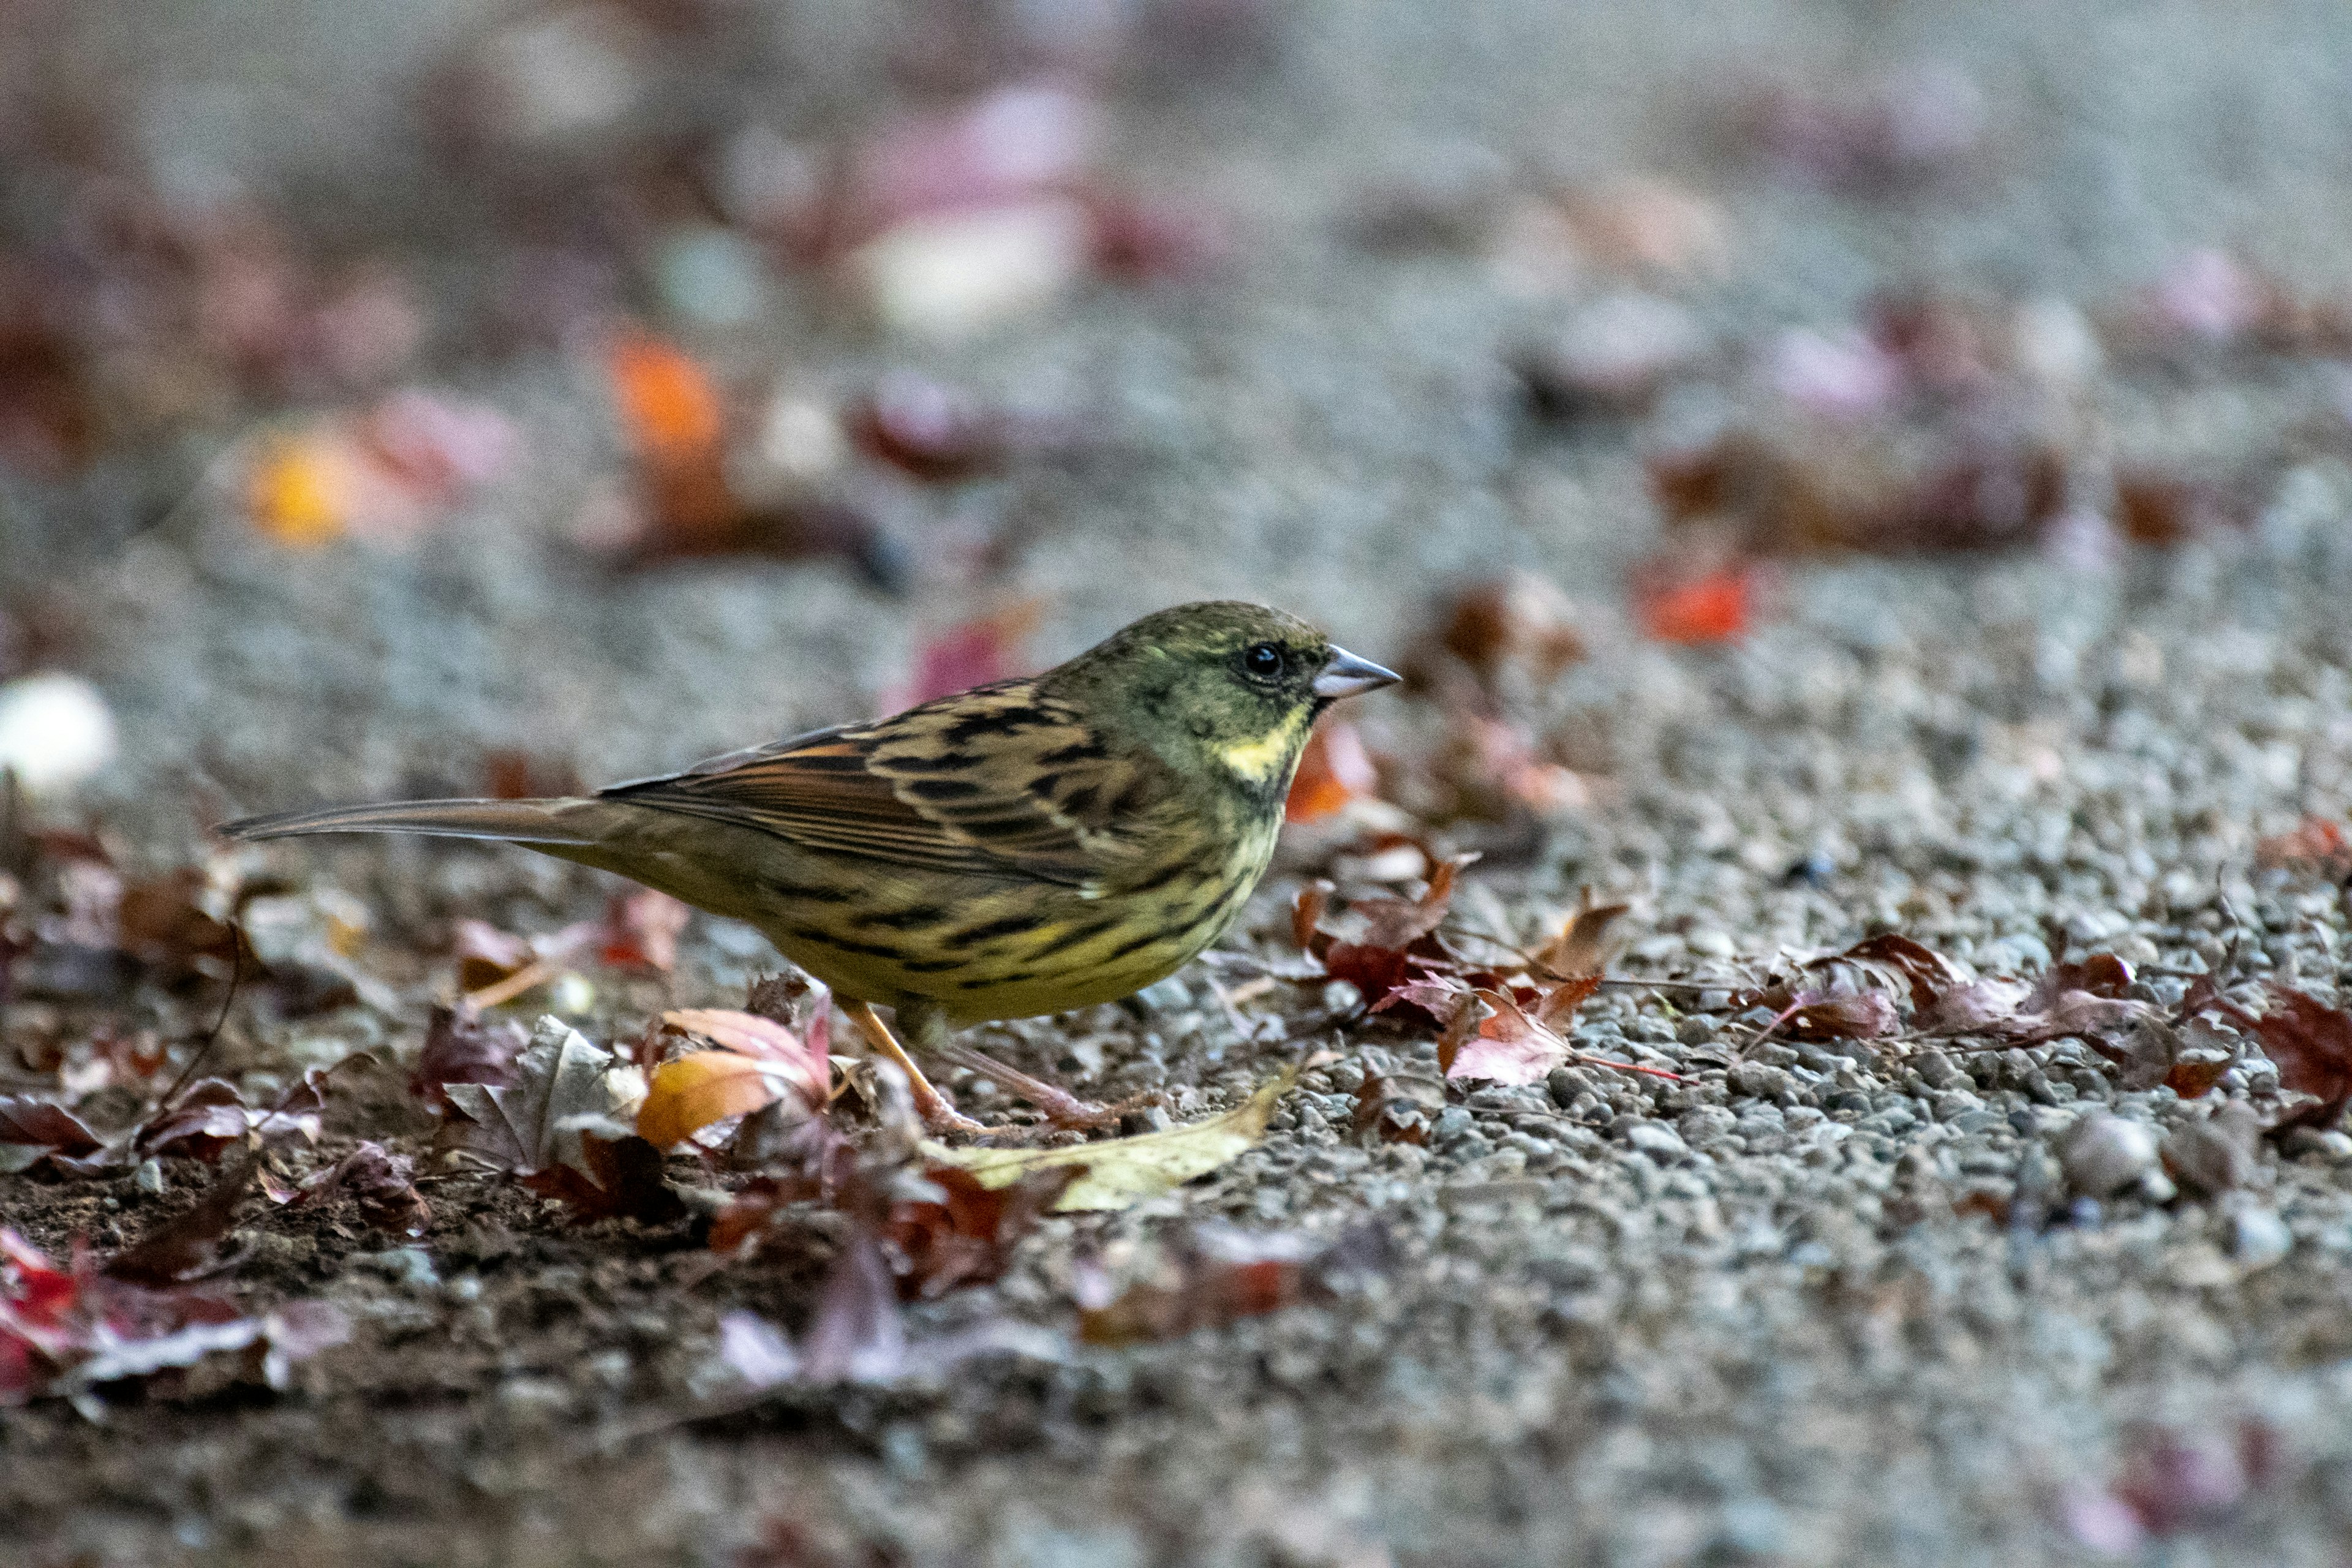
x=1334, y=770
x=796, y=1062
x=1713, y=608
x=300, y=491
x=668, y=402
x=691, y=1093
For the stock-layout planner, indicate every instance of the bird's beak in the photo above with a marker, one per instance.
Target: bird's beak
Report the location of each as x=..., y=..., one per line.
x=1348, y=676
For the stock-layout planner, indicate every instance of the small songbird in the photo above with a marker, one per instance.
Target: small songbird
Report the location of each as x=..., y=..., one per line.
x=1025, y=847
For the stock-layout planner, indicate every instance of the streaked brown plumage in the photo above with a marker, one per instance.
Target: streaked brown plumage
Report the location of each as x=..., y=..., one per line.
x=1025, y=847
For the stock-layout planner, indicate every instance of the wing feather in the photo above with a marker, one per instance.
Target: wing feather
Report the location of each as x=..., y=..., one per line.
x=995, y=782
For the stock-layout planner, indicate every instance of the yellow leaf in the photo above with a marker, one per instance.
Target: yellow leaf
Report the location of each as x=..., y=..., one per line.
x=695, y=1090
x=1123, y=1171
x=300, y=491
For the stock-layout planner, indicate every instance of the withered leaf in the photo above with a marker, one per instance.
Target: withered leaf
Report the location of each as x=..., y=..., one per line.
x=2307, y=1040
x=381, y=1183
x=533, y=1123
x=461, y=1046
x=966, y=1237
x=1122, y=1171
x=45, y=1125
x=1490, y=1038
x=1584, y=945
x=188, y=1247
x=1397, y=1109
x=610, y=1178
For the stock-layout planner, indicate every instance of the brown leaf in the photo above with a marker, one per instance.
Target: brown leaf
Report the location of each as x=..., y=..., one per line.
x=1397, y=1109
x=610, y=1178
x=1216, y=1275
x=1834, y=1016
x=1584, y=945
x=487, y=955
x=522, y=1126
x=2219, y=1155
x=1390, y=933
x=189, y=1245
x=2314, y=844
x=1307, y=914
x=2308, y=1041
x=461, y=1046
x=1902, y=963
x=691, y=1092
x=381, y=1183
x=45, y=1125
x=2191, y=1079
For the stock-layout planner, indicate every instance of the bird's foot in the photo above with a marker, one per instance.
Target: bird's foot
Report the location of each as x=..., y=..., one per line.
x=1062, y=1109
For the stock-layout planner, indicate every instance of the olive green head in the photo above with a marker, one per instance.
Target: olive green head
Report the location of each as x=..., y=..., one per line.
x=1224, y=686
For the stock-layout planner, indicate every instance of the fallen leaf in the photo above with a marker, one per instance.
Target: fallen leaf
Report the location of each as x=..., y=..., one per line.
x=670, y=410
x=973, y=654
x=188, y=1247
x=1491, y=1039
x=461, y=1046
x=640, y=930
x=1396, y=1109
x=967, y=1236
x=691, y=1092
x=1334, y=771
x=937, y=432
x=1715, y=607
x=1584, y=945
x=44, y=1126
x=2220, y=1154
x=535, y=1122
x=2308, y=1041
x=381, y=1183
x=2314, y=844
x=1389, y=933
x=610, y=1178
x=1217, y=1275
x=1122, y=1171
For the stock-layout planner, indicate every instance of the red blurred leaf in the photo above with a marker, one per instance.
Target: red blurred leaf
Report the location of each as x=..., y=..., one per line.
x=671, y=409
x=487, y=955
x=640, y=930
x=2313, y=844
x=966, y=1237
x=1716, y=607
x=973, y=654
x=1333, y=771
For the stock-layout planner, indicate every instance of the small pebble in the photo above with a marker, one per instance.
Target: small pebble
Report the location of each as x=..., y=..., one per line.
x=2258, y=1237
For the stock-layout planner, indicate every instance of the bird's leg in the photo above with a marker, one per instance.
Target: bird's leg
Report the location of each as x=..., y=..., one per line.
x=932, y=1105
x=927, y=1028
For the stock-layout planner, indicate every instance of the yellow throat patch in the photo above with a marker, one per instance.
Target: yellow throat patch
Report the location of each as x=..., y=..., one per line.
x=1256, y=760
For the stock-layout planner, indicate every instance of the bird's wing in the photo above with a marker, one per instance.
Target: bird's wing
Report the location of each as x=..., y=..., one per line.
x=996, y=781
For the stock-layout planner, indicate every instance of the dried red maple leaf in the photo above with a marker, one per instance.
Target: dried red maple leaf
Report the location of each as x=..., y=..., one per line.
x=44, y=1125
x=460, y=1047
x=1393, y=935
x=2307, y=1040
x=383, y=1184
x=1584, y=945
x=189, y=1246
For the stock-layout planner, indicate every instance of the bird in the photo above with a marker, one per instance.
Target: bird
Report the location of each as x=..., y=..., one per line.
x=1025, y=847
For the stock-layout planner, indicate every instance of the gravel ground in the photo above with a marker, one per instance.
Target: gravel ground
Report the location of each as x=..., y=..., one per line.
x=1773, y=1314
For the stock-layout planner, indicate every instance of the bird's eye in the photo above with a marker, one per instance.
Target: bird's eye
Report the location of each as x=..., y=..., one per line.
x=1263, y=661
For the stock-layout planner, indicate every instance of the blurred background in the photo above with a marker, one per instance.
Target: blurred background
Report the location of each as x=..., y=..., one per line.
x=391, y=394
x=1828, y=468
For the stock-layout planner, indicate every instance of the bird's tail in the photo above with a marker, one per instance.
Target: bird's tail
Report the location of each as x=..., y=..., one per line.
x=535, y=821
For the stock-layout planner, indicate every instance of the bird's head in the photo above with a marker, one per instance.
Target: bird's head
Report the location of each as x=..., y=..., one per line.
x=1233, y=686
